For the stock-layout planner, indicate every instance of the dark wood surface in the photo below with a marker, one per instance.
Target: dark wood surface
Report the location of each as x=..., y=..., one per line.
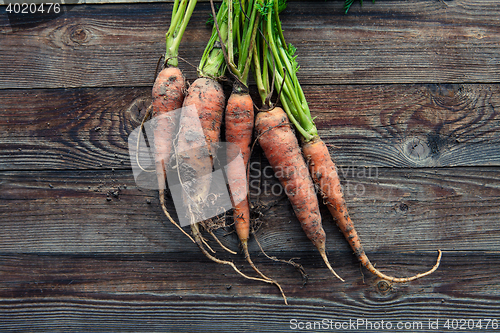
x=406, y=95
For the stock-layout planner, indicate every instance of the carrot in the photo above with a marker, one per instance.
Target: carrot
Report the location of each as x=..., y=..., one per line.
x=199, y=130
x=239, y=117
x=325, y=174
x=202, y=108
x=194, y=164
x=321, y=166
x=281, y=148
x=279, y=142
x=239, y=121
x=168, y=95
x=207, y=96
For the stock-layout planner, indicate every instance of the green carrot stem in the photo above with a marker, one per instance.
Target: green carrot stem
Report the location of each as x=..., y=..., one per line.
x=178, y=24
x=174, y=10
x=259, y=77
x=292, y=96
x=212, y=63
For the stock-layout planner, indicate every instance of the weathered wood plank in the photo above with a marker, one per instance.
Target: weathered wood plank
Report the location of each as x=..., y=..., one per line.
x=409, y=125
x=68, y=129
x=99, y=45
x=161, y=293
x=394, y=210
x=369, y=125
x=397, y=42
x=386, y=42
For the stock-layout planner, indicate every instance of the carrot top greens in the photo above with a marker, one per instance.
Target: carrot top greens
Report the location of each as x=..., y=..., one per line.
x=181, y=13
x=276, y=62
x=212, y=63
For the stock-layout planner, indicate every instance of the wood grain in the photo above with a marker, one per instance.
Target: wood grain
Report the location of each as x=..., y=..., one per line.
x=119, y=45
x=364, y=125
x=102, y=292
x=406, y=97
x=434, y=125
x=394, y=210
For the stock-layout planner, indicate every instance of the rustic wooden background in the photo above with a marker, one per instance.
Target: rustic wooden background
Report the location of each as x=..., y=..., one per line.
x=407, y=96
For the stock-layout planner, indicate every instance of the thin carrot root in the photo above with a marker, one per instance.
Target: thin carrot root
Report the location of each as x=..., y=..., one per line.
x=206, y=244
x=163, y=206
x=244, y=244
x=325, y=175
x=325, y=259
x=381, y=275
x=247, y=256
x=198, y=238
x=299, y=267
x=220, y=243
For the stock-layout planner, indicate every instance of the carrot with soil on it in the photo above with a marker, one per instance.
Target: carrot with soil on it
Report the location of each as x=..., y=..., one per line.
x=168, y=95
x=325, y=175
x=239, y=116
x=206, y=96
x=321, y=166
x=280, y=145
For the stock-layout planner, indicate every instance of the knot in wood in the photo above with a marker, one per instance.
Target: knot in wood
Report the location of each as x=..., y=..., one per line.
x=80, y=35
x=383, y=286
x=416, y=149
x=138, y=109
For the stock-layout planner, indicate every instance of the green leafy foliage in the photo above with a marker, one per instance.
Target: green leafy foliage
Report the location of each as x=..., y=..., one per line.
x=265, y=8
x=293, y=58
x=210, y=22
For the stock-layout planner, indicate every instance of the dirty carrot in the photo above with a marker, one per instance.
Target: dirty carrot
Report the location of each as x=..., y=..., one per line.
x=239, y=116
x=280, y=145
x=199, y=129
x=168, y=96
x=325, y=175
x=239, y=121
x=199, y=126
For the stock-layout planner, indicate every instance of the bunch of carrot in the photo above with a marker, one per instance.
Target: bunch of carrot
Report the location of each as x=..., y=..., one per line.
x=246, y=35
x=322, y=169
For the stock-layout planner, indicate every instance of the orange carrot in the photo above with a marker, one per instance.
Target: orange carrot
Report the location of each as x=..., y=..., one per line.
x=324, y=173
x=239, y=121
x=199, y=131
x=239, y=118
x=283, y=152
x=207, y=96
x=168, y=95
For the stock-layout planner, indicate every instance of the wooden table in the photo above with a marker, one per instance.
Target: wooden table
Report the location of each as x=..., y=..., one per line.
x=407, y=97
